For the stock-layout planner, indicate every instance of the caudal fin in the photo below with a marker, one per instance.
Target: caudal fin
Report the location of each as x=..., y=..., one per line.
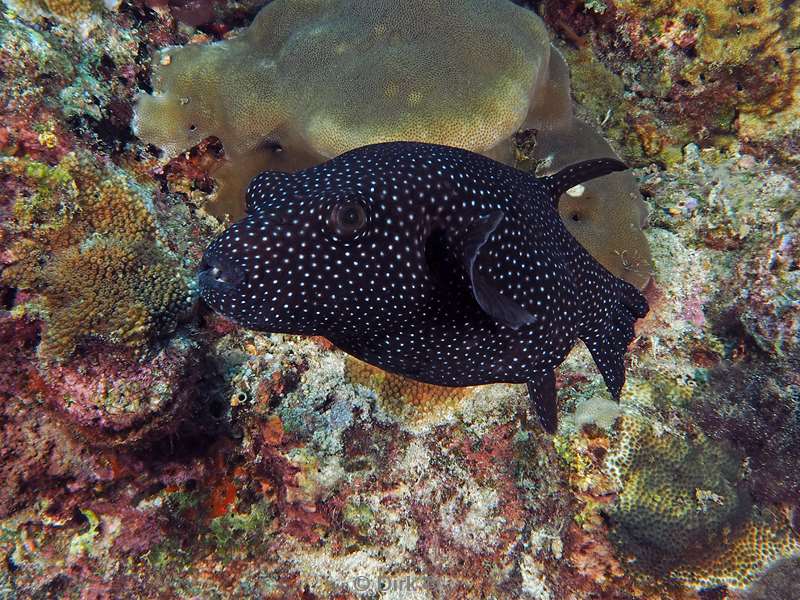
x=608, y=339
x=570, y=176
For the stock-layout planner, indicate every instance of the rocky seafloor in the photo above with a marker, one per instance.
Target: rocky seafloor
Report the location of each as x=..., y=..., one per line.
x=150, y=449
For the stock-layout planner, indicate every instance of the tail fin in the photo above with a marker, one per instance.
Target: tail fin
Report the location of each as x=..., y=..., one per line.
x=608, y=339
x=570, y=176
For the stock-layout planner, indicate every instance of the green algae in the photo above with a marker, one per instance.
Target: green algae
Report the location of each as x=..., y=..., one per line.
x=236, y=534
x=83, y=543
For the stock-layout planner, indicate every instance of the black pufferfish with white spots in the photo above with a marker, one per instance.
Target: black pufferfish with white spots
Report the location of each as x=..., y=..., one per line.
x=427, y=261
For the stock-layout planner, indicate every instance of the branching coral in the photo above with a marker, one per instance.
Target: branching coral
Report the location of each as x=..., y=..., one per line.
x=86, y=244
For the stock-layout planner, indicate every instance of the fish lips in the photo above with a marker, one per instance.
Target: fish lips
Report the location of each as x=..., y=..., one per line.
x=220, y=275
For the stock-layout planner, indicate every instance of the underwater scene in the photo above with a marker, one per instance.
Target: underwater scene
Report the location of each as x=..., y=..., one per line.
x=400, y=299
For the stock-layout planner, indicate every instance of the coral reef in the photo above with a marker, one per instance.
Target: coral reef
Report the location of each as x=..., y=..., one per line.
x=755, y=405
x=705, y=71
x=493, y=73
x=764, y=540
x=407, y=400
x=202, y=460
x=86, y=245
x=739, y=66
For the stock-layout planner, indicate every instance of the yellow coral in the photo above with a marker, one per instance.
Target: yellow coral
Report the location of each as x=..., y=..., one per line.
x=682, y=513
x=677, y=495
x=410, y=401
x=71, y=11
x=764, y=540
x=86, y=242
x=753, y=41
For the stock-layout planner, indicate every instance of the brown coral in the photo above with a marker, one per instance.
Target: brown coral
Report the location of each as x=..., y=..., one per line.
x=86, y=243
x=734, y=62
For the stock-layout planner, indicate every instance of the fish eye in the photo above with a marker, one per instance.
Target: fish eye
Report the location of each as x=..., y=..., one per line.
x=347, y=219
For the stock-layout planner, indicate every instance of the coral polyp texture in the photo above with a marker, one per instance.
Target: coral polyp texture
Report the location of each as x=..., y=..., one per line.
x=86, y=245
x=763, y=541
x=677, y=496
x=296, y=88
x=405, y=399
x=683, y=510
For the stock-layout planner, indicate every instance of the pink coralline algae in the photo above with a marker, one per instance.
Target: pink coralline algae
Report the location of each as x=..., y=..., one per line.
x=120, y=401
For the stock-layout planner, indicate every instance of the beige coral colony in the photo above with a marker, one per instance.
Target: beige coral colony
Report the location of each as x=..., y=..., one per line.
x=314, y=82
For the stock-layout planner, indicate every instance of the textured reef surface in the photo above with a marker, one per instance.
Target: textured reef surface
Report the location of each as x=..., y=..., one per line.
x=150, y=449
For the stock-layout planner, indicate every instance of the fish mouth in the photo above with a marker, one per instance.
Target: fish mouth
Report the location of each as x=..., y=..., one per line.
x=218, y=274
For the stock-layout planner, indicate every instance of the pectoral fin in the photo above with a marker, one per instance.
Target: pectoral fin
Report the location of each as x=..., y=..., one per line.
x=501, y=308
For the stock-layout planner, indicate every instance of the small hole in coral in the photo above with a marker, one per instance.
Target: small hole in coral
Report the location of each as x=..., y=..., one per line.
x=739, y=86
x=12, y=566
x=216, y=408
x=192, y=127
x=79, y=518
x=7, y=297
x=747, y=8
x=575, y=217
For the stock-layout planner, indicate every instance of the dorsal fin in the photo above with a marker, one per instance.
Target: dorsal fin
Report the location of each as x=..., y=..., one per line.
x=570, y=176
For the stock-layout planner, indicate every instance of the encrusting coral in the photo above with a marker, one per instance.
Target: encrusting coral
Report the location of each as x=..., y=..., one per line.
x=86, y=245
x=739, y=56
x=764, y=540
x=677, y=496
x=407, y=400
x=683, y=510
x=308, y=82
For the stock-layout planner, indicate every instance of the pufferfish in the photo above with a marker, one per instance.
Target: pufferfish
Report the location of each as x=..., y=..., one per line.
x=430, y=262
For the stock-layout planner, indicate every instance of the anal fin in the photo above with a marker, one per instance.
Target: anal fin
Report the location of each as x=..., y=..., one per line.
x=542, y=394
